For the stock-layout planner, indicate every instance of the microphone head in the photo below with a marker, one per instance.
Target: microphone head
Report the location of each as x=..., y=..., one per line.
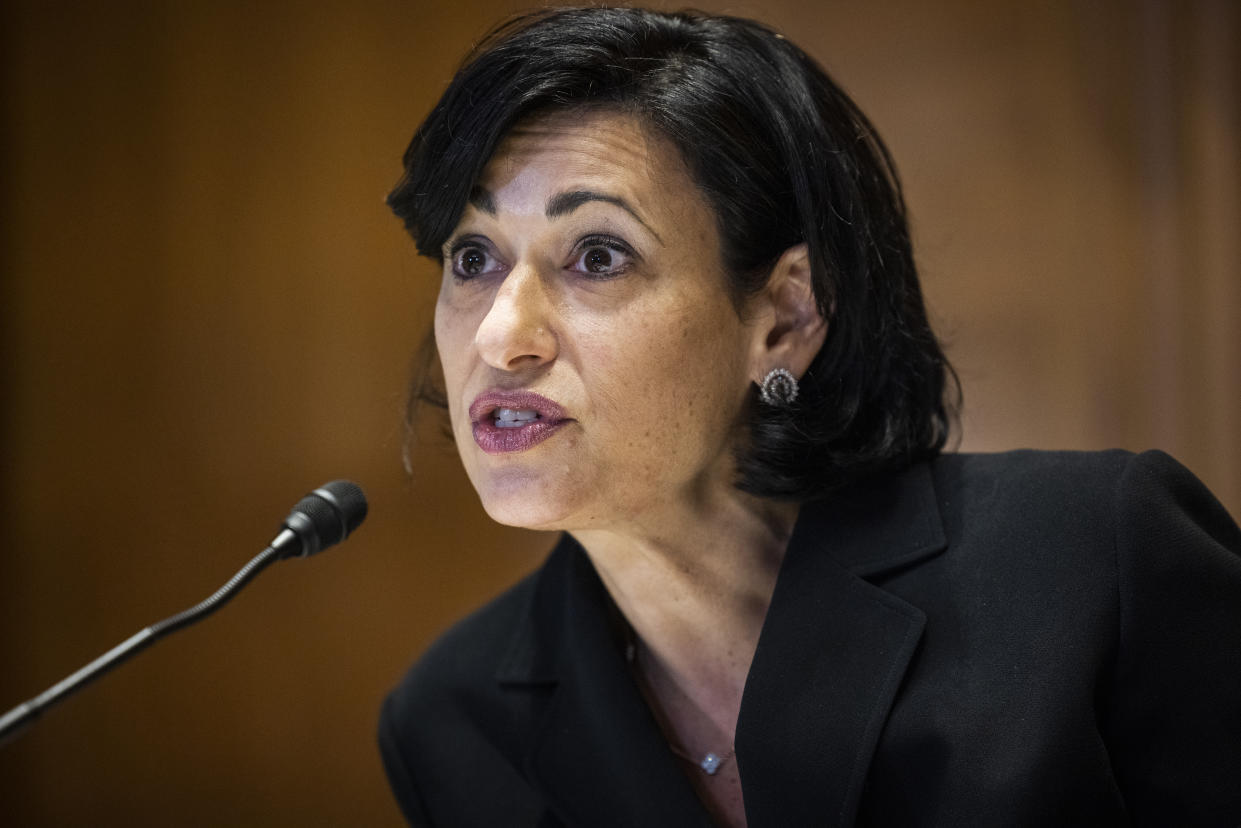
x=323, y=518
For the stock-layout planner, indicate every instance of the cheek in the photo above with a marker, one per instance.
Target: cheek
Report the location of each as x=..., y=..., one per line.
x=669, y=386
x=454, y=331
x=452, y=338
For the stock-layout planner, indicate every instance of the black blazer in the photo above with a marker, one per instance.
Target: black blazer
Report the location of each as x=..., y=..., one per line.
x=996, y=640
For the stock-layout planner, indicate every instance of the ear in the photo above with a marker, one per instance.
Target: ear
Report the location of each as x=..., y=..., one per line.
x=790, y=330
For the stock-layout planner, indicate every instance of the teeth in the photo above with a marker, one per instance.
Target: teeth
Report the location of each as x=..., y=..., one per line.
x=514, y=417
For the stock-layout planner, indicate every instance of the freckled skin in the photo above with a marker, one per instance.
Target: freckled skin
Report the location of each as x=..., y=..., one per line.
x=652, y=364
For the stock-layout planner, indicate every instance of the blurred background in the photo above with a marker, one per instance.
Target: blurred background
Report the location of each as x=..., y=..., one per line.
x=207, y=311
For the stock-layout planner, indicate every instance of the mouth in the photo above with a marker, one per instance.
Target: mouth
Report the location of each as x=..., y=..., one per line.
x=512, y=421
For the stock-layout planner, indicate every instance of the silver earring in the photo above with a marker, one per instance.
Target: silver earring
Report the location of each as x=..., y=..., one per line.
x=779, y=388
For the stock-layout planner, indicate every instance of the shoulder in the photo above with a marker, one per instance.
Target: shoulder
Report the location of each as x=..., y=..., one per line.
x=448, y=726
x=1107, y=541
x=1029, y=473
x=1099, y=593
x=1064, y=487
x=468, y=655
x=1129, y=494
x=1001, y=513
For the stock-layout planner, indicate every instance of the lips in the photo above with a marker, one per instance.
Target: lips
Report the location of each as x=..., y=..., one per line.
x=513, y=421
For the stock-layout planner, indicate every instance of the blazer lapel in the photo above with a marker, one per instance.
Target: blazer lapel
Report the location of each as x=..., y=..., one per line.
x=833, y=652
x=599, y=757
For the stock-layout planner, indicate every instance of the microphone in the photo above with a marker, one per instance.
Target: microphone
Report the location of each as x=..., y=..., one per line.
x=321, y=519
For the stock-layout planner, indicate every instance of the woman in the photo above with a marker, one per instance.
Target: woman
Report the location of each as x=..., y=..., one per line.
x=680, y=322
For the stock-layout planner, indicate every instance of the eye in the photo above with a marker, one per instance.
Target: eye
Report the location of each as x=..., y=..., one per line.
x=471, y=259
x=601, y=257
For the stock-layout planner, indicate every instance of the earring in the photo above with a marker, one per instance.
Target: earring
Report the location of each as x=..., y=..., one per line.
x=779, y=388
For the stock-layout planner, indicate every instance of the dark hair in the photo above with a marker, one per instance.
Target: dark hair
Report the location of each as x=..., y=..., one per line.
x=783, y=156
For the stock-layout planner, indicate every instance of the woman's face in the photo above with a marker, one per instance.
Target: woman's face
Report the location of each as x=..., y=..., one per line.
x=595, y=365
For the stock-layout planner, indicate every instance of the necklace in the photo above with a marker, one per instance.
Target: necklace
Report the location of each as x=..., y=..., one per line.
x=711, y=763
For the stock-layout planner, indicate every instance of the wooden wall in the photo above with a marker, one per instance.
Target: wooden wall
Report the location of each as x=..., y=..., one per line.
x=207, y=311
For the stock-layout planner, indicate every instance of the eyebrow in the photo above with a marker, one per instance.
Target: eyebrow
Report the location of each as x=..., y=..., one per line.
x=562, y=204
x=481, y=198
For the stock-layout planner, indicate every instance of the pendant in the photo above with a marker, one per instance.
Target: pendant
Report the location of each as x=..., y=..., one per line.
x=710, y=764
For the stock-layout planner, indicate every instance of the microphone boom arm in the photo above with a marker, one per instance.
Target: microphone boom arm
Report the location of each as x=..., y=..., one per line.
x=321, y=519
x=19, y=717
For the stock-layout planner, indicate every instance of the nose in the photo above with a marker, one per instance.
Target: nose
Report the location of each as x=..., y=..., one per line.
x=517, y=333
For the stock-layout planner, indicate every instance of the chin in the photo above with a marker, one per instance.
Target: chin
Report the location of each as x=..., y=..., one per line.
x=522, y=499
x=525, y=515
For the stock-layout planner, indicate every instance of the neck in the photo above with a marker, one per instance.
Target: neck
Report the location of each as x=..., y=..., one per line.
x=696, y=592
